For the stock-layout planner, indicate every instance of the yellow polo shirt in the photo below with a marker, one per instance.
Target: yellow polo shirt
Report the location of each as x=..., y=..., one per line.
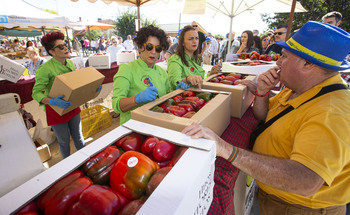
x=317, y=135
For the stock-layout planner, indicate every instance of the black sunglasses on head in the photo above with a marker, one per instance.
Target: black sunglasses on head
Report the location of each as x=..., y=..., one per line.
x=150, y=46
x=279, y=33
x=60, y=46
x=194, y=26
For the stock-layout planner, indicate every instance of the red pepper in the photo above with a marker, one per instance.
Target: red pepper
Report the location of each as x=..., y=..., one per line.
x=131, y=142
x=46, y=198
x=64, y=200
x=30, y=208
x=199, y=102
x=188, y=93
x=148, y=146
x=131, y=174
x=167, y=103
x=132, y=207
x=99, y=166
x=163, y=151
x=176, y=110
x=187, y=107
x=189, y=114
x=96, y=199
x=178, y=99
x=178, y=154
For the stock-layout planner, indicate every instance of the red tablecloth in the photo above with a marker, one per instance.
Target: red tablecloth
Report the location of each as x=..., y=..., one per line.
x=25, y=85
x=237, y=133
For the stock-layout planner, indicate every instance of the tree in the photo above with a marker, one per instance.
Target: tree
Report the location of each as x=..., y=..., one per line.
x=316, y=9
x=125, y=23
x=94, y=33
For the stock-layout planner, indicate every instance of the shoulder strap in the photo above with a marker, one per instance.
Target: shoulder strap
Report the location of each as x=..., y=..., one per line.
x=261, y=127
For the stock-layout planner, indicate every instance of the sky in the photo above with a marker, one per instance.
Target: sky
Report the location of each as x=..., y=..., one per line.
x=164, y=13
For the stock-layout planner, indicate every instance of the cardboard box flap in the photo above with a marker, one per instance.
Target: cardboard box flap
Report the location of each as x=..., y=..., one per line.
x=164, y=133
x=39, y=183
x=81, y=77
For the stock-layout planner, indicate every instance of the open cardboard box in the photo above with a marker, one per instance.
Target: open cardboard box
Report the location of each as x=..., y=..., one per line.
x=43, y=150
x=215, y=114
x=177, y=193
x=230, y=67
x=100, y=61
x=10, y=70
x=241, y=97
x=78, y=87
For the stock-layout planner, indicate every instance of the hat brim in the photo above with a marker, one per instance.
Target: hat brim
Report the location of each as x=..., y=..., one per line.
x=345, y=64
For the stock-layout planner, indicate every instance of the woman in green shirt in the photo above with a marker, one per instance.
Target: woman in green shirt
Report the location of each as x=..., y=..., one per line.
x=141, y=81
x=185, y=65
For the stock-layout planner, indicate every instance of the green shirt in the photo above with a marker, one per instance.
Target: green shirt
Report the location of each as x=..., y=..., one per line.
x=131, y=80
x=45, y=76
x=178, y=71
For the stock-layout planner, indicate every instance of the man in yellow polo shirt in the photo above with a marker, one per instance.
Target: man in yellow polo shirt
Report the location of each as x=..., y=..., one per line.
x=301, y=162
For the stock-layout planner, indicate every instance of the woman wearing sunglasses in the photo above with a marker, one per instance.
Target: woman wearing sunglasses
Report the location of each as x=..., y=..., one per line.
x=141, y=81
x=68, y=124
x=265, y=40
x=247, y=43
x=185, y=66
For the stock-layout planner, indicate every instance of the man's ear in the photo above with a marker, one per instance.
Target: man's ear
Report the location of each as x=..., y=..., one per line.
x=338, y=23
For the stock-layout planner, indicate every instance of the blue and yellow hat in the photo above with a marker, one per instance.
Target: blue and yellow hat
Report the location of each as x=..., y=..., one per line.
x=322, y=44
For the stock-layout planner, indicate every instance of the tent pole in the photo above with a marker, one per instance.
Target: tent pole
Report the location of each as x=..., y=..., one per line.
x=89, y=39
x=230, y=32
x=290, y=21
x=70, y=50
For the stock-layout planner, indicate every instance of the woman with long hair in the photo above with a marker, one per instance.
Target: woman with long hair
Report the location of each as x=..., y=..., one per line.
x=185, y=65
x=247, y=43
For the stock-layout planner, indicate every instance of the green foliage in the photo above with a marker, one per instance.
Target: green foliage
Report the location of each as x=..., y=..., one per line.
x=219, y=35
x=125, y=22
x=316, y=9
x=94, y=33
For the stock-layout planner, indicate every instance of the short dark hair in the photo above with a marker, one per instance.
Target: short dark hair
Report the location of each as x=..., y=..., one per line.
x=143, y=34
x=282, y=25
x=48, y=41
x=338, y=16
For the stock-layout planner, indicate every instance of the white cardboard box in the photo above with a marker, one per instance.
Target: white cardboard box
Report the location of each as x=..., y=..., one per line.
x=230, y=67
x=126, y=57
x=78, y=62
x=100, y=61
x=177, y=194
x=10, y=70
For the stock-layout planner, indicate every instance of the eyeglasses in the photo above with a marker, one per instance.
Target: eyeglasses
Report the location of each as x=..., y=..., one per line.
x=150, y=46
x=60, y=46
x=266, y=39
x=195, y=26
x=279, y=33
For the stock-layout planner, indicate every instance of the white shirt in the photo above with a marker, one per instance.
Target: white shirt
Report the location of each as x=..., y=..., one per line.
x=113, y=50
x=129, y=45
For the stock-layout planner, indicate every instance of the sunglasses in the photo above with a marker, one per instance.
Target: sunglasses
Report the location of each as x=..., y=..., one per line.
x=279, y=33
x=195, y=26
x=150, y=46
x=266, y=39
x=60, y=46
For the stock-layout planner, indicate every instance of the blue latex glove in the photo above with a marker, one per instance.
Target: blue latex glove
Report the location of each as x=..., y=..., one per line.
x=182, y=85
x=58, y=101
x=148, y=95
x=99, y=88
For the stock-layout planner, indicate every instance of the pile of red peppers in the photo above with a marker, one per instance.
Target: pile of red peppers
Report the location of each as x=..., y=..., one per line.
x=114, y=181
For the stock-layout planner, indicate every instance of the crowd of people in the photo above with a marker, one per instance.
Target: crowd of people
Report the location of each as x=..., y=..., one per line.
x=300, y=158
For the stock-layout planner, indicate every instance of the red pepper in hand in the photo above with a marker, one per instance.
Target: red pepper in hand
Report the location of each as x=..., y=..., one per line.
x=45, y=199
x=64, y=200
x=96, y=199
x=176, y=110
x=99, y=166
x=131, y=174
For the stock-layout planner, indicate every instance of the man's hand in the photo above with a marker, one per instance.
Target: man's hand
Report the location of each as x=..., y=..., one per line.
x=215, y=69
x=251, y=85
x=198, y=131
x=268, y=80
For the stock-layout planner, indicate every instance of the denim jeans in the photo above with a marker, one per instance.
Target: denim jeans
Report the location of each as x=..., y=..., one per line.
x=63, y=133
